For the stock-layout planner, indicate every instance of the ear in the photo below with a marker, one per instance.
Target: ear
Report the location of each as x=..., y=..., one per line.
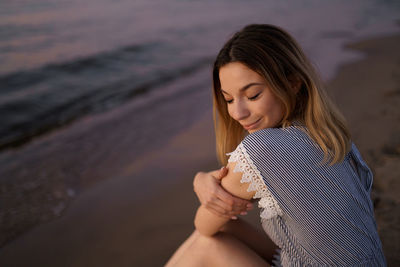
x=295, y=83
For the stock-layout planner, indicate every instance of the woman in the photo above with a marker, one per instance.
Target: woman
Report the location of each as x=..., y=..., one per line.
x=292, y=151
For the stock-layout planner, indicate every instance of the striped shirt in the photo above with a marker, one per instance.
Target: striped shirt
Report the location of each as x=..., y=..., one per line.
x=318, y=214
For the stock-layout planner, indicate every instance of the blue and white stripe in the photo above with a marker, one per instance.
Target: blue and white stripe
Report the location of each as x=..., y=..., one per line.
x=327, y=214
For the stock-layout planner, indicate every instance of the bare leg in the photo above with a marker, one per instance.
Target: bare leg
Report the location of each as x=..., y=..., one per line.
x=182, y=249
x=254, y=238
x=239, y=244
x=221, y=249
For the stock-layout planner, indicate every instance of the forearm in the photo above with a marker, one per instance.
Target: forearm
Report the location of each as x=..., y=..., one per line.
x=207, y=223
x=215, y=198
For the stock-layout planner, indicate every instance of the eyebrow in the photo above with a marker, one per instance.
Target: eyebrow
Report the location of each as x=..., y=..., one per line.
x=244, y=88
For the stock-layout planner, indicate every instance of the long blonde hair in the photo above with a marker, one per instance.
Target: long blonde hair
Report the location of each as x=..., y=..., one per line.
x=276, y=56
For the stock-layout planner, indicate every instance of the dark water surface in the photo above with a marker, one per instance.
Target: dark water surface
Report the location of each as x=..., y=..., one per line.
x=61, y=60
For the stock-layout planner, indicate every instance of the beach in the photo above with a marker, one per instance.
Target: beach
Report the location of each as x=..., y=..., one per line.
x=141, y=215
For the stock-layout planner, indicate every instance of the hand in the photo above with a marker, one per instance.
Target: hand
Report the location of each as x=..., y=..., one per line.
x=218, y=201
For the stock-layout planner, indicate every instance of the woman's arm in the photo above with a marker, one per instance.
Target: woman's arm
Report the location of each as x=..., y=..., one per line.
x=207, y=186
x=208, y=223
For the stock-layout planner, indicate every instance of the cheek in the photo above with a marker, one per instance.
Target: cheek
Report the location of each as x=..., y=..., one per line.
x=230, y=110
x=280, y=107
x=272, y=107
x=279, y=111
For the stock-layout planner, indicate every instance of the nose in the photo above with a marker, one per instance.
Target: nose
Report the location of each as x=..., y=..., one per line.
x=238, y=110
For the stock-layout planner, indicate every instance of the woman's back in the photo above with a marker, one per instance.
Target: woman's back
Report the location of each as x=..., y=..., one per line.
x=318, y=214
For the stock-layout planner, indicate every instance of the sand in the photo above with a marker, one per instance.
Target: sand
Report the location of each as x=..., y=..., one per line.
x=112, y=225
x=108, y=225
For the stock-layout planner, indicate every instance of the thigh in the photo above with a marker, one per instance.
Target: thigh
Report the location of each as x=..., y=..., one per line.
x=254, y=238
x=221, y=249
x=230, y=251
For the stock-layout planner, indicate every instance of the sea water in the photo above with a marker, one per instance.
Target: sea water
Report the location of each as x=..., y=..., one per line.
x=61, y=60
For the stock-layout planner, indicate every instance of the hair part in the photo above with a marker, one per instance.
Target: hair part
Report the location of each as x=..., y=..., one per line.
x=275, y=55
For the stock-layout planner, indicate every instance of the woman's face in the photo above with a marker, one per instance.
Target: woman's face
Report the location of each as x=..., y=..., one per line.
x=250, y=102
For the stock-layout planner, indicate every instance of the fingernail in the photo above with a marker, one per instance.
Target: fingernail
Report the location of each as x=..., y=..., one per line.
x=234, y=218
x=249, y=206
x=243, y=213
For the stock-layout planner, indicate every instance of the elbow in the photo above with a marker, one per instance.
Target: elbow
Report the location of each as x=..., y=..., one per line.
x=196, y=178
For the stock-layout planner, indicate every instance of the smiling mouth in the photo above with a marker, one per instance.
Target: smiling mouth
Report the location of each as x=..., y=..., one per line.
x=252, y=125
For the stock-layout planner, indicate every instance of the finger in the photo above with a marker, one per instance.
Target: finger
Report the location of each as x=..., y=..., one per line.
x=215, y=173
x=242, y=204
x=222, y=208
x=222, y=172
x=233, y=203
x=221, y=205
x=227, y=209
x=216, y=210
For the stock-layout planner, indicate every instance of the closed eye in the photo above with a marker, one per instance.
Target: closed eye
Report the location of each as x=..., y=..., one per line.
x=254, y=97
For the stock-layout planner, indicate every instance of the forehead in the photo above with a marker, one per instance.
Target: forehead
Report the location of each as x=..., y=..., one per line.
x=235, y=75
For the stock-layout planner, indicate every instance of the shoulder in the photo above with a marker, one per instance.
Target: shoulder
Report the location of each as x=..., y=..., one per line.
x=290, y=143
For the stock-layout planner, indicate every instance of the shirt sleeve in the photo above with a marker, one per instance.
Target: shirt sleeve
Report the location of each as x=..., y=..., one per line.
x=252, y=175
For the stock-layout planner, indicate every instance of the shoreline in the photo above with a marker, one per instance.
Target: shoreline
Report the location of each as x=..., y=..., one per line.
x=40, y=180
x=110, y=224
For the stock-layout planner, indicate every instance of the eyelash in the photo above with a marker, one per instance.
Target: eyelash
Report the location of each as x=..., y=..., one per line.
x=254, y=97
x=250, y=98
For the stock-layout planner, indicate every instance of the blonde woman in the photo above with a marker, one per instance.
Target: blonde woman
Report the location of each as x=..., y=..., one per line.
x=288, y=147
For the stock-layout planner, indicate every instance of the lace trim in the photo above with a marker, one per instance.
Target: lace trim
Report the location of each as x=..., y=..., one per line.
x=251, y=175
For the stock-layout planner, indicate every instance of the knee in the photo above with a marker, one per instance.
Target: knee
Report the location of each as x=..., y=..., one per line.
x=211, y=242
x=203, y=240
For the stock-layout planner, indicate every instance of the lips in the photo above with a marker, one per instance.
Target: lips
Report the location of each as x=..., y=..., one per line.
x=252, y=125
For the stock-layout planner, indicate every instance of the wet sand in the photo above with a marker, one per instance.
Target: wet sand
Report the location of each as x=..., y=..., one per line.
x=38, y=181
x=126, y=221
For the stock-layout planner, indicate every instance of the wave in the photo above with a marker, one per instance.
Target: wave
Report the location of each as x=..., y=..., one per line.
x=28, y=78
x=35, y=102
